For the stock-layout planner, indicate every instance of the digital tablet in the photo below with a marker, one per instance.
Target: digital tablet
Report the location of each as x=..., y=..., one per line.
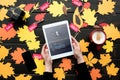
x=58, y=39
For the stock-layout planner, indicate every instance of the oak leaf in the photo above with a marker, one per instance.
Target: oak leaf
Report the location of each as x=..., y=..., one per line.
x=108, y=46
x=23, y=77
x=66, y=64
x=90, y=60
x=59, y=74
x=112, y=70
x=84, y=45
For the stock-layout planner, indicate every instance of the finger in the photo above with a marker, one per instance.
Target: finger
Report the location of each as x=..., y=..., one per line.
x=43, y=49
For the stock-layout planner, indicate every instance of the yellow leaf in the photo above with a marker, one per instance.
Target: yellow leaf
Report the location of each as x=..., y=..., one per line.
x=59, y=73
x=112, y=70
x=3, y=52
x=21, y=6
x=84, y=45
x=108, y=46
x=56, y=9
x=107, y=6
x=27, y=15
x=40, y=66
x=105, y=59
x=3, y=13
x=6, y=70
x=23, y=77
x=112, y=31
x=36, y=6
x=90, y=60
x=25, y=34
x=33, y=45
x=7, y=3
x=89, y=16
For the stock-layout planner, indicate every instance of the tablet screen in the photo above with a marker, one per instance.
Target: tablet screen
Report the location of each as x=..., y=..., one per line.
x=58, y=39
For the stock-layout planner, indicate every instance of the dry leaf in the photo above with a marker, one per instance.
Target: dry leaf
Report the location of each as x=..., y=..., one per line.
x=107, y=6
x=95, y=74
x=17, y=55
x=112, y=70
x=84, y=45
x=6, y=70
x=56, y=9
x=108, y=46
x=90, y=60
x=7, y=3
x=7, y=35
x=105, y=59
x=25, y=34
x=59, y=74
x=66, y=64
x=112, y=31
x=89, y=16
x=3, y=13
x=40, y=66
x=3, y=52
x=23, y=77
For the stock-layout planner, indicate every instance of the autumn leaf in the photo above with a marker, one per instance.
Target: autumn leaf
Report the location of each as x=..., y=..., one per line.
x=66, y=64
x=21, y=6
x=7, y=3
x=36, y=6
x=40, y=66
x=95, y=74
x=7, y=35
x=3, y=52
x=26, y=16
x=112, y=31
x=105, y=59
x=103, y=7
x=56, y=9
x=89, y=16
x=112, y=70
x=28, y=7
x=23, y=77
x=25, y=35
x=17, y=55
x=33, y=45
x=90, y=60
x=39, y=17
x=108, y=46
x=3, y=13
x=84, y=45
x=59, y=74
x=6, y=70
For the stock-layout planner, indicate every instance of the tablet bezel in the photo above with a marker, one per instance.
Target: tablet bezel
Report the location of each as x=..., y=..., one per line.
x=51, y=25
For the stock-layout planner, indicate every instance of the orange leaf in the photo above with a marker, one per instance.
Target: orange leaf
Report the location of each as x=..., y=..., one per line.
x=28, y=7
x=23, y=77
x=95, y=73
x=39, y=17
x=59, y=73
x=7, y=35
x=66, y=64
x=17, y=55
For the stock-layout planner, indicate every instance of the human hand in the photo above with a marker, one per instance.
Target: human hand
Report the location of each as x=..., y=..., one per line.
x=47, y=58
x=77, y=52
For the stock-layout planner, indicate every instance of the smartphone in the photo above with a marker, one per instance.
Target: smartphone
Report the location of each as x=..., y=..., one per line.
x=29, y=61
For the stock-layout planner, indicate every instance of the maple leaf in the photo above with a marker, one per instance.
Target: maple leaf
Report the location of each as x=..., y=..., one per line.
x=112, y=70
x=7, y=3
x=33, y=45
x=23, y=77
x=7, y=35
x=3, y=52
x=25, y=34
x=84, y=45
x=103, y=7
x=59, y=74
x=56, y=9
x=17, y=55
x=95, y=73
x=40, y=66
x=28, y=7
x=3, y=13
x=111, y=31
x=105, y=59
x=89, y=16
x=108, y=46
x=90, y=60
x=66, y=64
x=6, y=70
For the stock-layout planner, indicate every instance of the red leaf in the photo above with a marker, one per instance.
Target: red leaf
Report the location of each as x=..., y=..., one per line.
x=39, y=17
x=85, y=24
x=103, y=24
x=28, y=7
x=87, y=5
